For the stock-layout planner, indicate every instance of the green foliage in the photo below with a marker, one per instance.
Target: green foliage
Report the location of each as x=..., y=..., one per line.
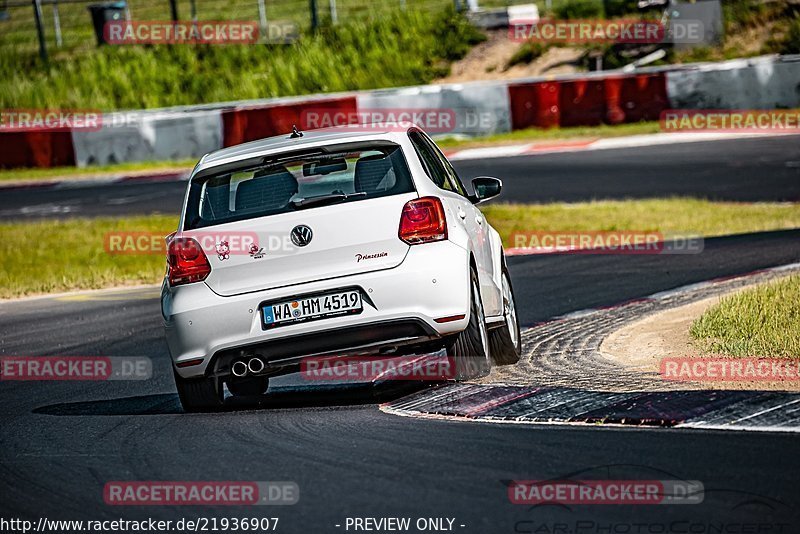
x=621, y=8
x=579, y=9
x=401, y=48
x=739, y=14
x=527, y=52
x=791, y=40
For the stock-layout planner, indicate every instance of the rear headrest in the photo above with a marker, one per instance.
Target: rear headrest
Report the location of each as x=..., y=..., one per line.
x=268, y=190
x=370, y=173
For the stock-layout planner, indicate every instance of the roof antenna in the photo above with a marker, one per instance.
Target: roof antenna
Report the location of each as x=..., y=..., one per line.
x=295, y=132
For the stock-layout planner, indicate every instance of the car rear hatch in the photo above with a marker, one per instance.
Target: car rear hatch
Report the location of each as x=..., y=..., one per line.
x=301, y=218
x=345, y=239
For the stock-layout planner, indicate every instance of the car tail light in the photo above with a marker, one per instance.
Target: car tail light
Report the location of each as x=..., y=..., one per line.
x=423, y=221
x=186, y=261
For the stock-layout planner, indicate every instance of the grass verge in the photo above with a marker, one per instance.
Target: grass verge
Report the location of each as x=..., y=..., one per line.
x=48, y=257
x=761, y=321
x=541, y=134
x=140, y=167
x=678, y=215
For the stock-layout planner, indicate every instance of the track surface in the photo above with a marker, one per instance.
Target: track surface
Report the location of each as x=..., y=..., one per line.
x=763, y=169
x=60, y=442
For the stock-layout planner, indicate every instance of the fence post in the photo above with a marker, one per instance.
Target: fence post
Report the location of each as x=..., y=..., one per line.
x=262, y=16
x=57, y=26
x=37, y=14
x=173, y=7
x=314, y=16
x=334, y=14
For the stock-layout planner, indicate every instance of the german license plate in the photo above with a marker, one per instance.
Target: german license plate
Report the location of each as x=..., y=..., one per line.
x=311, y=308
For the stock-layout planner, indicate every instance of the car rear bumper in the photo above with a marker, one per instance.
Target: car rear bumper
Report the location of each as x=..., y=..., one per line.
x=401, y=306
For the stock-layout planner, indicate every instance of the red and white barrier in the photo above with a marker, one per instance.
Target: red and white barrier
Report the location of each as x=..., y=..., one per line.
x=477, y=108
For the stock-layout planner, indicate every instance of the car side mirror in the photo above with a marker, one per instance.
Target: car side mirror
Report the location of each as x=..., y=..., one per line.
x=485, y=187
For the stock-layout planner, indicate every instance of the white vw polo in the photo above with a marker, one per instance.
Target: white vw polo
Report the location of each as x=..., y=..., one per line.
x=333, y=242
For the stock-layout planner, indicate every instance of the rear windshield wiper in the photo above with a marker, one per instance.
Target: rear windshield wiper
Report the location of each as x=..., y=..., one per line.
x=332, y=198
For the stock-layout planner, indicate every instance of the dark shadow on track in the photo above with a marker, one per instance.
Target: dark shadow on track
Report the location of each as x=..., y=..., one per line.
x=281, y=398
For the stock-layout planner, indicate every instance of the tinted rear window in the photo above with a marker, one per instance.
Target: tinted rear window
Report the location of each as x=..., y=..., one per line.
x=278, y=184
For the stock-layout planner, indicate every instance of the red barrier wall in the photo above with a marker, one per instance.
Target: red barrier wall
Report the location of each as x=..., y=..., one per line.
x=534, y=104
x=644, y=97
x=612, y=100
x=247, y=124
x=36, y=149
x=582, y=102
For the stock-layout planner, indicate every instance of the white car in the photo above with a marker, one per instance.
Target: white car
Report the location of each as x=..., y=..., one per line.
x=342, y=241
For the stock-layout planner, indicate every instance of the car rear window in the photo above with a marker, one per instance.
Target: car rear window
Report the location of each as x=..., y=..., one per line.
x=279, y=184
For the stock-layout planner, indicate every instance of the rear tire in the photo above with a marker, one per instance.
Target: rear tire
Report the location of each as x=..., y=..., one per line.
x=504, y=341
x=199, y=394
x=470, y=348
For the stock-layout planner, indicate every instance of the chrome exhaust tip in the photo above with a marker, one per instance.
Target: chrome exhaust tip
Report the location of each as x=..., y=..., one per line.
x=255, y=365
x=239, y=368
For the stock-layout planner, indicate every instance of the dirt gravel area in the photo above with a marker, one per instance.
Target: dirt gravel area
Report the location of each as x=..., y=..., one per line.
x=488, y=61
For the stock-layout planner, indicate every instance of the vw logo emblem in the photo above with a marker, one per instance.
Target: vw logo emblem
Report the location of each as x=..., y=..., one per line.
x=301, y=235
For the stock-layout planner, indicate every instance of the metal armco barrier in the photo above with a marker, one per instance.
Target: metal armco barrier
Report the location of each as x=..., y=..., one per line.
x=758, y=83
x=477, y=108
x=149, y=136
x=611, y=97
x=249, y=123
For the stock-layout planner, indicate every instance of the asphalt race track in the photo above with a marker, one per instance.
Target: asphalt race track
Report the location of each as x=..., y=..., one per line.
x=765, y=169
x=61, y=442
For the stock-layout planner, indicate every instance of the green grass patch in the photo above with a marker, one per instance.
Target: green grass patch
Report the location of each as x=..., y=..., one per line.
x=761, y=321
x=98, y=170
x=545, y=134
x=47, y=257
x=674, y=215
x=399, y=48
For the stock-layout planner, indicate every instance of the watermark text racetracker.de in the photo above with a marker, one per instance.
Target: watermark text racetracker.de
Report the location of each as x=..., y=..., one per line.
x=200, y=493
x=619, y=31
x=371, y=368
x=731, y=120
x=183, y=524
x=606, y=492
x=587, y=31
x=730, y=369
x=605, y=242
x=150, y=32
x=50, y=120
x=74, y=368
x=222, y=244
x=432, y=120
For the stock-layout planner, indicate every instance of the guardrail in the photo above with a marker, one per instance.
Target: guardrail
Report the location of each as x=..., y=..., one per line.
x=608, y=97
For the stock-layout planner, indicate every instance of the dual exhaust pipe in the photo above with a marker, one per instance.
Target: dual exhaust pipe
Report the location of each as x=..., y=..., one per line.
x=241, y=368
